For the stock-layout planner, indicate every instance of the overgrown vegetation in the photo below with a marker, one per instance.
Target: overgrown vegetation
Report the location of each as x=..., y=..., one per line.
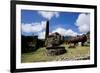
x=78, y=53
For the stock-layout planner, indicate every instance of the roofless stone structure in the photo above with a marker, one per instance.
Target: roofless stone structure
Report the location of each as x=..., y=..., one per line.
x=52, y=42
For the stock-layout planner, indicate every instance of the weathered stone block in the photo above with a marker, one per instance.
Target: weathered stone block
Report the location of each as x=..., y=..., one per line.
x=55, y=50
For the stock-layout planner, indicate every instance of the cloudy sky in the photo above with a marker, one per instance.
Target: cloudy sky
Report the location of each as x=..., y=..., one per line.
x=65, y=23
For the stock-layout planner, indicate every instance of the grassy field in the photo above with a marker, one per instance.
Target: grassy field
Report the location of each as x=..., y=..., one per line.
x=78, y=53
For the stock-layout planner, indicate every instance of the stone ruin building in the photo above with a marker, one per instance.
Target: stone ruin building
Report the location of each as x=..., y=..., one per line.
x=52, y=42
x=29, y=43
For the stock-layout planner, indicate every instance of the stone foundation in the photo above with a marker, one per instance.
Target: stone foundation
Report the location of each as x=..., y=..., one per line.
x=55, y=50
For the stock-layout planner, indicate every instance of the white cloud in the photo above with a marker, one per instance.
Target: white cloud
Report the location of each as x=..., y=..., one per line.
x=83, y=23
x=34, y=27
x=41, y=35
x=26, y=28
x=48, y=15
x=65, y=32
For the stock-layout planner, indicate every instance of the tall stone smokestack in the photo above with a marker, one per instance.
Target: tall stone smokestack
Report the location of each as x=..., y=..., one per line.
x=47, y=29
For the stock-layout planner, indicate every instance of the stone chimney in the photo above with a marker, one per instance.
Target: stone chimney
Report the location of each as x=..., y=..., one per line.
x=47, y=29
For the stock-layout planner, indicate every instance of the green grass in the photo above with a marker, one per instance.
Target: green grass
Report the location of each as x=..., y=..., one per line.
x=41, y=56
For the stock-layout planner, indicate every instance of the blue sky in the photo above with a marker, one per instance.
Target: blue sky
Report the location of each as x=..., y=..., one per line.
x=70, y=23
